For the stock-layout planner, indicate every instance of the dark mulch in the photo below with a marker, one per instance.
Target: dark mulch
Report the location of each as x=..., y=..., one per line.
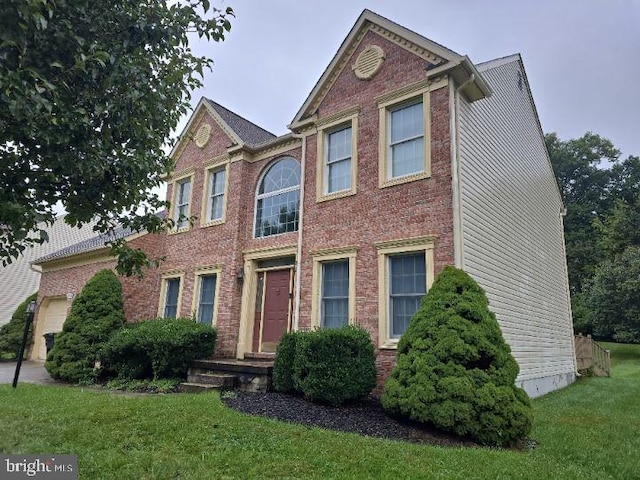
x=366, y=417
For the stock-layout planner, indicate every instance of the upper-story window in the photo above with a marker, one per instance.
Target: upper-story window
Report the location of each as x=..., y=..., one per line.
x=406, y=140
x=405, y=132
x=337, y=164
x=278, y=199
x=338, y=160
x=215, y=204
x=182, y=198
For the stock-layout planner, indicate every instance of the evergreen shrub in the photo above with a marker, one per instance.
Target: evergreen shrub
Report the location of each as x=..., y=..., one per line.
x=11, y=333
x=455, y=371
x=96, y=312
x=157, y=349
x=334, y=365
x=283, y=375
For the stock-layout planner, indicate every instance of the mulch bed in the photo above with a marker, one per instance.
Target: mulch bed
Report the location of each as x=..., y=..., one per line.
x=365, y=417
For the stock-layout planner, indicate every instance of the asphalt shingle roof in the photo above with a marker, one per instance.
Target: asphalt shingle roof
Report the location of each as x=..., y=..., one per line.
x=249, y=132
x=93, y=243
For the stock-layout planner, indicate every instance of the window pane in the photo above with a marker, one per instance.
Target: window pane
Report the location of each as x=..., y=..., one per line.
x=339, y=176
x=283, y=174
x=277, y=210
x=338, y=161
x=335, y=294
x=182, y=203
x=207, y=299
x=278, y=214
x=407, y=157
x=171, y=297
x=406, y=123
x=408, y=284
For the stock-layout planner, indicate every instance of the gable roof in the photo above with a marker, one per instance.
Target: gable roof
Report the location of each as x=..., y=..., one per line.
x=250, y=133
x=440, y=58
x=240, y=131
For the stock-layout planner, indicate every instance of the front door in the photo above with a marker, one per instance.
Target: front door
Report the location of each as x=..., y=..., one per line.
x=272, y=317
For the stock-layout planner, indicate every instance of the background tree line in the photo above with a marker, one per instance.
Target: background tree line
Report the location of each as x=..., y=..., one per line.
x=601, y=193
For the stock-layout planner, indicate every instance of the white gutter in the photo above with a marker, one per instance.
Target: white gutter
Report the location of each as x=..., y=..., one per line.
x=458, y=244
x=296, y=301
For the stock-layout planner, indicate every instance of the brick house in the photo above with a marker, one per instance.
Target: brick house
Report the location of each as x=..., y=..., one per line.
x=404, y=158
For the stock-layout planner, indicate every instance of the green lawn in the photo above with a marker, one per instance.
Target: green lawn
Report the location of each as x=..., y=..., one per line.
x=589, y=430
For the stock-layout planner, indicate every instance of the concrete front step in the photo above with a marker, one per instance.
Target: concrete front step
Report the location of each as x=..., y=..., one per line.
x=219, y=380
x=252, y=375
x=190, y=387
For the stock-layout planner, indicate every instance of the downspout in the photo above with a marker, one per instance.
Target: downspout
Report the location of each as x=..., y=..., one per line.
x=458, y=244
x=563, y=213
x=297, y=287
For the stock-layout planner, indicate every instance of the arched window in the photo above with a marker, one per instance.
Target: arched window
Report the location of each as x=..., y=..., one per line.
x=278, y=199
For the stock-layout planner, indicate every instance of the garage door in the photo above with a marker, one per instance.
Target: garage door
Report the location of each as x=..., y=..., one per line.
x=54, y=316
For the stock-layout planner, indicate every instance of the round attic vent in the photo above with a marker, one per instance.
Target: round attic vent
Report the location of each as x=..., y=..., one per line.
x=368, y=62
x=202, y=135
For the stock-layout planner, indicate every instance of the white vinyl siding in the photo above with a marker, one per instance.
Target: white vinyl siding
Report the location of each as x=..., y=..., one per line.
x=512, y=233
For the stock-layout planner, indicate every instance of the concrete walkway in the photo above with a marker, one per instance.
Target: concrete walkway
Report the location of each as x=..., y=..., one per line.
x=30, y=372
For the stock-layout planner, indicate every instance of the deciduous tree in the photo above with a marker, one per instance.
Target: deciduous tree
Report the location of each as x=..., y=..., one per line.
x=90, y=92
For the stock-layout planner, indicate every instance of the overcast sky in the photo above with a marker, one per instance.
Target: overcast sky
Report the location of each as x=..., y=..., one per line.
x=582, y=57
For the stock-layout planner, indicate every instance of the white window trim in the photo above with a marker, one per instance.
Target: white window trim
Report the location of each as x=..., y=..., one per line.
x=205, y=210
x=163, y=292
x=326, y=127
x=332, y=255
x=195, y=302
x=187, y=176
x=385, y=107
x=385, y=250
x=258, y=197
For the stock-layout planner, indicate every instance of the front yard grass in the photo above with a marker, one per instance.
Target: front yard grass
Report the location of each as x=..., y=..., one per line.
x=589, y=430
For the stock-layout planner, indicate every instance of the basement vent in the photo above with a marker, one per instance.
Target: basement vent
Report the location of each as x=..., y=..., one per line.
x=202, y=135
x=368, y=62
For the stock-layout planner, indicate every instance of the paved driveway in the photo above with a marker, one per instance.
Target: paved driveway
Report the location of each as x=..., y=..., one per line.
x=30, y=372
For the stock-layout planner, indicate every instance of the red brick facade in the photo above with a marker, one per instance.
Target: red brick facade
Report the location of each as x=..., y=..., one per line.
x=418, y=208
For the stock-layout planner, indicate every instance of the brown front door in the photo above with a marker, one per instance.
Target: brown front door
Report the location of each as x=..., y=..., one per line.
x=276, y=309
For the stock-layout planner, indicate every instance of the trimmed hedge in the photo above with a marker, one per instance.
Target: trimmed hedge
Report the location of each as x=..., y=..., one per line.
x=96, y=313
x=155, y=349
x=11, y=333
x=329, y=365
x=455, y=371
x=283, y=380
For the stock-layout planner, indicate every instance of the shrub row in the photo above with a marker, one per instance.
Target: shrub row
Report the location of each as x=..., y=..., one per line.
x=154, y=349
x=331, y=366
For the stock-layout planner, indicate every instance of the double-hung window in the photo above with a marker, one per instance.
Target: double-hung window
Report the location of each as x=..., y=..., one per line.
x=333, y=303
x=404, y=144
x=334, y=307
x=406, y=140
x=181, y=203
x=171, y=297
x=337, y=170
x=215, y=204
x=407, y=286
x=405, y=272
x=206, y=298
x=337, y=160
